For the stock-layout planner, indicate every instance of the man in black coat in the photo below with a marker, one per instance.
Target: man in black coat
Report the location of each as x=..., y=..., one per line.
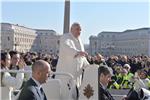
x=32, y=89
x=105, y=74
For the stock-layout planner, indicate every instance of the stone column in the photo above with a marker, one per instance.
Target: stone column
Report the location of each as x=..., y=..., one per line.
x=66, y=17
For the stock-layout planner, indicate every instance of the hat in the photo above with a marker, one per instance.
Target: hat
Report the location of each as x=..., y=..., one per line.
x=127, y=66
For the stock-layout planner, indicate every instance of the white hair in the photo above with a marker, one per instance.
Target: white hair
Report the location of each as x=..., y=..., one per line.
x=75, y=24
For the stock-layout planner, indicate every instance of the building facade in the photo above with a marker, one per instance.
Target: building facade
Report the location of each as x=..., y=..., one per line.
x=23, y=39
x=48, y=41
x=130, y=42
x=15, y=37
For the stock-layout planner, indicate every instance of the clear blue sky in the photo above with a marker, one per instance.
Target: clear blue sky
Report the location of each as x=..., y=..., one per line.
x=93, y=16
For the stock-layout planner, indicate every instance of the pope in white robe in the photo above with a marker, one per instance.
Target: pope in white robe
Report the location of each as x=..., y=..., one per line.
x=72, y=55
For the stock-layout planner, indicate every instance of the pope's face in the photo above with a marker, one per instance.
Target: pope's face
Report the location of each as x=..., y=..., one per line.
x=76, y=31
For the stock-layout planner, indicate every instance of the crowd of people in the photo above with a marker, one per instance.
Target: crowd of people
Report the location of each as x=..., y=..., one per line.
x=129, y=71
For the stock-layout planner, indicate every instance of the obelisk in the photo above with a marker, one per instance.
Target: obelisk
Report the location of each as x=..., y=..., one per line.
x=66, y=17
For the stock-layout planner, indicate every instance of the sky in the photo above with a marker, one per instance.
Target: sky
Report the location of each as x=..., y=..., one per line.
x=94, y=16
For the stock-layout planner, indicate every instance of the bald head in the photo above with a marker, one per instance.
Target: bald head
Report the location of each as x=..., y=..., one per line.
x=41, y=71
x=39, y=65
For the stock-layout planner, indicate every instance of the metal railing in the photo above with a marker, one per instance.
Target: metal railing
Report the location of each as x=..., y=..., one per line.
x=71, y=78
x=29, y=72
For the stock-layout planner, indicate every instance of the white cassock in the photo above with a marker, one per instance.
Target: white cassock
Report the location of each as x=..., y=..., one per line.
x=67, y=62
